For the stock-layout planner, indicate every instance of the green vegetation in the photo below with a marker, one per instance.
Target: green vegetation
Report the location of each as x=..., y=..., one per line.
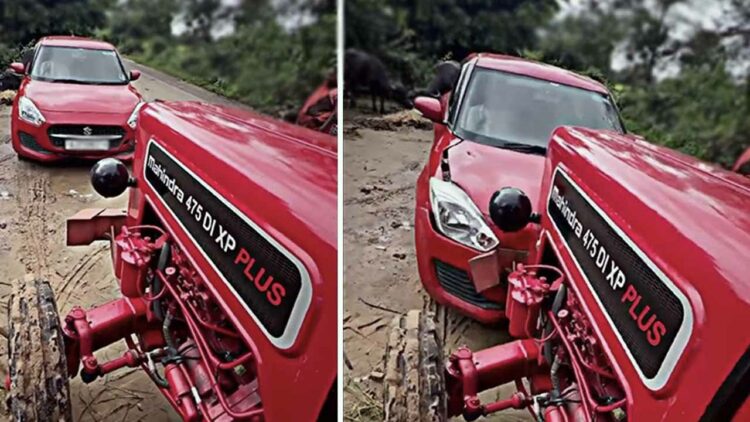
x=267, y=54
x=688, y=92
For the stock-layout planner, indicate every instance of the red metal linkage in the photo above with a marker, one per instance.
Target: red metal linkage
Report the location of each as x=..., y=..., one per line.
x=93, y=224
x=88, y=331
x=207, y=356
x=190, y=372
x=469, y=373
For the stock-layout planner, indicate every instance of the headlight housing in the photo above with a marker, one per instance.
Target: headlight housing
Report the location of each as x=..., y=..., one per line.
x=133, y=119
x=458, y=218
x=28, y=112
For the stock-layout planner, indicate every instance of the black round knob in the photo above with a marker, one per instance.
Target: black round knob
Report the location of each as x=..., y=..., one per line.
x=110, y=177
x=510, y=209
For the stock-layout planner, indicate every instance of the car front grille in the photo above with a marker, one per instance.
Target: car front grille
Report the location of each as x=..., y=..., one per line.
x=456, y=282
x=58, y=134
x=30, y=142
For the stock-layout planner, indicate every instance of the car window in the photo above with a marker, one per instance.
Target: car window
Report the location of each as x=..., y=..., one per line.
x=458, y=90
x=78, y=65
x=27, y=57
x=501, y=108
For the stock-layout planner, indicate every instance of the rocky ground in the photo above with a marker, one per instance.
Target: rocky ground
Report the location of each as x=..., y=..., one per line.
x=35, y=200
x=382, y=159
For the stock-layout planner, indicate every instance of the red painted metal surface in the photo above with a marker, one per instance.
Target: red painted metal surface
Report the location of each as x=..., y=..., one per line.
x=691, y=218
x=430, y=108
x=526, y=291
x=78, y=42
x=65, y=98
x=87, y=331
x=469, y=373
x=73, y=104
x=537, y=70
x=216, y=362
x=471, y=166
x=93, y=224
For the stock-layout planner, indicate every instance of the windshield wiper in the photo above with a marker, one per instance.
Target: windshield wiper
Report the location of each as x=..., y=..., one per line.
x=71, y=81
x=527, y=148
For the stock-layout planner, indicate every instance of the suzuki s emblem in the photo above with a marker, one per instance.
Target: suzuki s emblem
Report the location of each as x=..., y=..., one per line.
x=87, y=131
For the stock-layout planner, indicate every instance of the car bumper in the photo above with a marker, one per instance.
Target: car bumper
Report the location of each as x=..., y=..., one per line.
x=35, y=143
x=445, y=273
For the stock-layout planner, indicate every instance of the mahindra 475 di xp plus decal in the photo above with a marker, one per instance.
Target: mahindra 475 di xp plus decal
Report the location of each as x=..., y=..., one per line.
x=633, y=304
x=226, y=260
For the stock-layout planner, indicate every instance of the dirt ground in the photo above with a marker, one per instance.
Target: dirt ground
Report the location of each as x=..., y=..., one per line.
x=381, y=164
x=35, y=200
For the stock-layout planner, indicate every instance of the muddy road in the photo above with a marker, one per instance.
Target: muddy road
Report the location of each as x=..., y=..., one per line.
x=35, y=200
x=382, y=161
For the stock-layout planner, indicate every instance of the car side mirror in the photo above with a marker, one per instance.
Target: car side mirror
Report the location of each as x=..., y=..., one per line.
x=135, y=74
x=430, y=108
x=510, y=210
x=18, y=68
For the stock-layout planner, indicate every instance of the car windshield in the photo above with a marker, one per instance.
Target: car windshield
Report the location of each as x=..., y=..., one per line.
x=512, y=111
x=78, y=65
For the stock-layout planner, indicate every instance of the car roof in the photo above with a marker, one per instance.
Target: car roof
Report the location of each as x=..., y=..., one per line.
x=520, y=66
x=72, y=41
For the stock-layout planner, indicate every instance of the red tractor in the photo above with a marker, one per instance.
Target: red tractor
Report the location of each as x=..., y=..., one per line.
x=320, y=109
x=226, y=258
x=633, y=305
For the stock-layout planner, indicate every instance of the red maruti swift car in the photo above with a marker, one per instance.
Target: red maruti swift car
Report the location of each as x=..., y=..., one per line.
x=492, y=131
x=75, y=100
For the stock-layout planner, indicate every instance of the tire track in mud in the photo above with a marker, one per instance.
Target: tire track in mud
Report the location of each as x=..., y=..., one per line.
x=6, y=157
x=34, y=199
x=77, y=274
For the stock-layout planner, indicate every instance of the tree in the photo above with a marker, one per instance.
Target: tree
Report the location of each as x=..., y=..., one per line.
x=135, y=25
x=412, y=35
x=702, y=107
x=23, y=22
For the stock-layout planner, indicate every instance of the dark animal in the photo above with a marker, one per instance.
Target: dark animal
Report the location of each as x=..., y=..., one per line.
x=445, y=78
x=365, y=72
x=9, y=80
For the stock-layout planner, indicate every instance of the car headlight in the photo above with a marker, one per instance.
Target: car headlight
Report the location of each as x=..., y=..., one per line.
x=28, y=112
x=133, y=119
x=457, y=217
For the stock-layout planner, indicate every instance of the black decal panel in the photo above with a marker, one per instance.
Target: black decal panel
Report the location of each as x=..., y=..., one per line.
x=262, y=275
x=646, y=313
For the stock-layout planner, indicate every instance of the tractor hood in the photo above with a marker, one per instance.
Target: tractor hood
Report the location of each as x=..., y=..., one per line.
x=295, y=168
x=482, y=169
x=61, y=97
x=657, y=246
x=252, y=202
x=247, y=190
